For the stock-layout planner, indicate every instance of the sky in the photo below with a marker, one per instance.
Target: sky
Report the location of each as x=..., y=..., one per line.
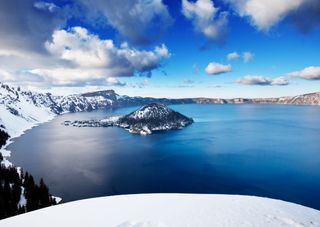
x=162, y=48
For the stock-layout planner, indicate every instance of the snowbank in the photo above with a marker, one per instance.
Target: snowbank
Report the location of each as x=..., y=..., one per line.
x=170, y=210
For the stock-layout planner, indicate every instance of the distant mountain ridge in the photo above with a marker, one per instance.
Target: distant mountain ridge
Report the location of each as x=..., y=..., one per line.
x=305, y=99
x=19, y=108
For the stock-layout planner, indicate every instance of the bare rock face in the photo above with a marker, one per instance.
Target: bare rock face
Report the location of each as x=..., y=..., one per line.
x=153, y=117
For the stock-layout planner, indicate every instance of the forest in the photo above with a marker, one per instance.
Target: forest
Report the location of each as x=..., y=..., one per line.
x=19, y=193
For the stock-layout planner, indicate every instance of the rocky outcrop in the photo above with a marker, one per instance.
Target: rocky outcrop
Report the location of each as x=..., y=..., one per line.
x=149, y=118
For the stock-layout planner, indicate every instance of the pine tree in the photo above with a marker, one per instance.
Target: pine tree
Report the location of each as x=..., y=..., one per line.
x=11, y=181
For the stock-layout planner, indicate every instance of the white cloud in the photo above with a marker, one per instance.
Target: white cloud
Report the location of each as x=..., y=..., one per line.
x=140, y=21
x=247, y=56
x=214, y=68
x=233, y=56
x=206, y=18
x=263, y=81
x=281, y=81
x=5, y=75
x=308, y=73
x=97, y=56
x=264, y=14
x=111, y=81
x=81, y=58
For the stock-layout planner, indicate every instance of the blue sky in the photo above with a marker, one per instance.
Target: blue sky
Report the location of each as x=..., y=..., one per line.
x=162, y=48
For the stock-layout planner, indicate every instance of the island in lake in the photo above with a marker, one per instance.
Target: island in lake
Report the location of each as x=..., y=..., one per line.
x=147, y=119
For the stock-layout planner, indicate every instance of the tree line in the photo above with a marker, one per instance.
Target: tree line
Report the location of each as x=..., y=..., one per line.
x=3, y=137
x=14, y=185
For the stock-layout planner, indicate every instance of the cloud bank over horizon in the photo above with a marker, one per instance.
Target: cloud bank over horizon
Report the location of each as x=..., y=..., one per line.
x=263, y=81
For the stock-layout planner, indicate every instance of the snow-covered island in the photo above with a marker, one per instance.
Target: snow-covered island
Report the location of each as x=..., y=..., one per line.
x=171, y=210
x=147, y=119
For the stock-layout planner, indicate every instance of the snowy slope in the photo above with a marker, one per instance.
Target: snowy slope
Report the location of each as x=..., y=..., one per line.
x=20, y=110
x=153, y=117
x=171, y=210
x=150, y=111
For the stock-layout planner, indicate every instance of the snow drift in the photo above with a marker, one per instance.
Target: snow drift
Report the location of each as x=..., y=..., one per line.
x=170, y=210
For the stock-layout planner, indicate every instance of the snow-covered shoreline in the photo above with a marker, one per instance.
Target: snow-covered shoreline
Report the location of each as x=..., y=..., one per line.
x=17, y=132
x=19, y=113
x=170, y=210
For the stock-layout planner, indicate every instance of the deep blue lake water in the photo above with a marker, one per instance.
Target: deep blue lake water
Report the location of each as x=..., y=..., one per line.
x=264, y=150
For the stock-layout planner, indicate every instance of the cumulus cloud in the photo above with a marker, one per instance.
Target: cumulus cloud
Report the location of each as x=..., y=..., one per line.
x=308, y=73
x=206, y=18
x=35, y=50
x=263, y=81
x=281, y=81
x=247, y=56
x=214, y=68
x=90, y=60
x=233, y=56
x=265, y=14
x=140, y=21
x=111, y=81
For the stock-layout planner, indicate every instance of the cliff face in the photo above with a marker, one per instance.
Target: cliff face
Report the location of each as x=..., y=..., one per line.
x=306, y=99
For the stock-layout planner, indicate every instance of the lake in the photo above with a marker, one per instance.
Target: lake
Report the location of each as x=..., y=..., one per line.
x=264, y=150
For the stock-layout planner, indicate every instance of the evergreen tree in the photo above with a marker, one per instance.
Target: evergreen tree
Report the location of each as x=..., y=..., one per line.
x=11, y=183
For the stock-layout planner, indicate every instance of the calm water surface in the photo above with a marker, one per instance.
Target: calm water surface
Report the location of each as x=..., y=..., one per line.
x=264, y=150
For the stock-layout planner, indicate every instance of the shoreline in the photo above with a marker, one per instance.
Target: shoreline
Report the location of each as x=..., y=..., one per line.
x=6, y=153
